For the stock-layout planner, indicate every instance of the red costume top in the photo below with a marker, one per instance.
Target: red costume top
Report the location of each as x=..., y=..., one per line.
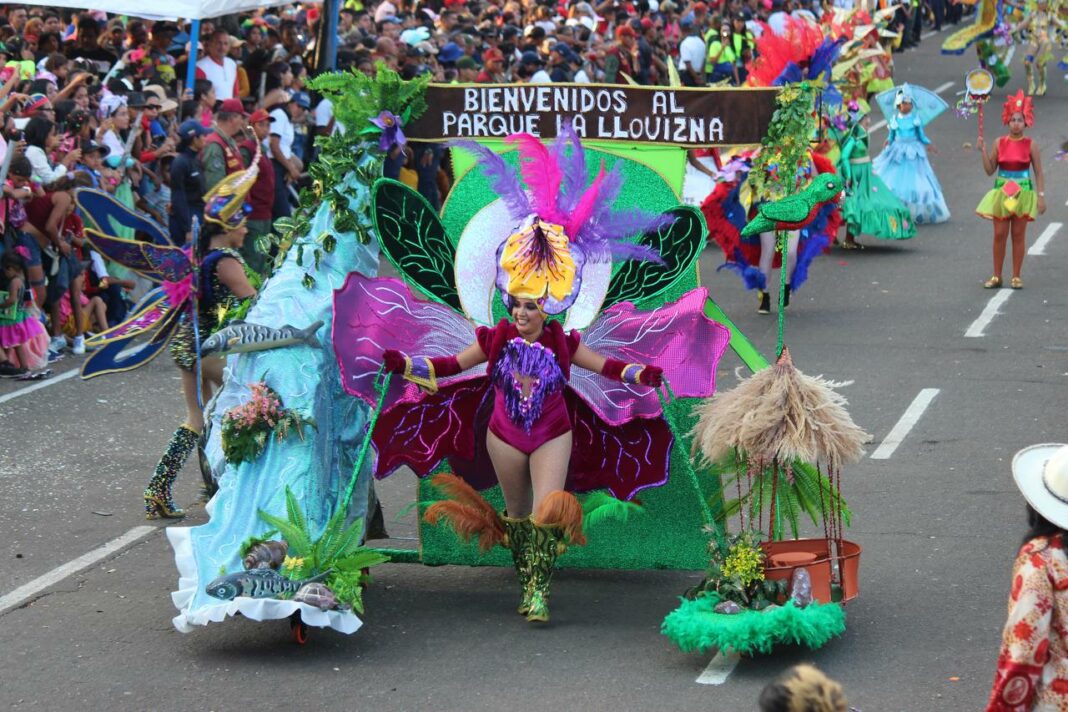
x=1014, y=154
x=528, y=382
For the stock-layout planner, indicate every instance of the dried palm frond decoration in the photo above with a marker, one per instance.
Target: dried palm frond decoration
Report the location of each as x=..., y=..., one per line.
x=773, y=425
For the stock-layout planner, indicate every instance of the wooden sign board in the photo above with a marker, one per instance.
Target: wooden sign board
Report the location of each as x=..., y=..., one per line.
x=674, y=116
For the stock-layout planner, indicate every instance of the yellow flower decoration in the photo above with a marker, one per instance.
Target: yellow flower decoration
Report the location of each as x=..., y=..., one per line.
x=292, y=563
x=538, y=262
x=746, y=562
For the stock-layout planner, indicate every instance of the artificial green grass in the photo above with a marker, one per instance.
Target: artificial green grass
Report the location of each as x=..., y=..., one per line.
x=695, y=627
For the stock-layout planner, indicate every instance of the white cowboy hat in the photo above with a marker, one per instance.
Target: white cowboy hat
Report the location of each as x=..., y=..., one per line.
x=1041, y=473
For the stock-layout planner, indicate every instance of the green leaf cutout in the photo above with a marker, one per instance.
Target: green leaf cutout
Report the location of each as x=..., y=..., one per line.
x=412, y=237
x=679, y=245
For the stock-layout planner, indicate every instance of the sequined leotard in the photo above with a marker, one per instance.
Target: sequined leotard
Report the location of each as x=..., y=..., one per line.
x=215, y=298
x=528, y=383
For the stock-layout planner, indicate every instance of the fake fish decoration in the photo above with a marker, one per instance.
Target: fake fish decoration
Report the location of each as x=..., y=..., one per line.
x=240, y=337
x=256, y=583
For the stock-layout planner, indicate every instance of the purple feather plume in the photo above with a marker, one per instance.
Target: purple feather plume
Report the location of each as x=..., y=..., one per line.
x=611, y=234
x=503, y=178
x=573, y=165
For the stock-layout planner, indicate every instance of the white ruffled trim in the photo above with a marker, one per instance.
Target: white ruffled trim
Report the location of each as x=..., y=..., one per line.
x=258, y=609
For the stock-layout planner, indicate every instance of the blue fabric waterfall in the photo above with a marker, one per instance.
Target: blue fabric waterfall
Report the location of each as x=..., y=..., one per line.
x=316, y=469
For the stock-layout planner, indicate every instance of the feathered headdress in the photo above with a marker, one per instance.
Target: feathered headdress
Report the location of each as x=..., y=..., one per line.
x=225, y=203
x=563, y=222
x=800, y=53
x=1018, y=102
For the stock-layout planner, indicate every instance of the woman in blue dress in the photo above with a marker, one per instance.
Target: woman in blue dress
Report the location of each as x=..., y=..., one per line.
x=903, y=163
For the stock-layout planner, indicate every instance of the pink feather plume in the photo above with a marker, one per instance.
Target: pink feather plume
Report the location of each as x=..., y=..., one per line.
x=542, y=174
x=585, y=206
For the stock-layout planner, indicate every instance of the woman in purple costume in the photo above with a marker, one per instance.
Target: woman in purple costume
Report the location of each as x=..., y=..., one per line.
x=542, y=411
x=529, y=363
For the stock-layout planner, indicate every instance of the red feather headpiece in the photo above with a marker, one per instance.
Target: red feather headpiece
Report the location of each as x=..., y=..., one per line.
x=1018, y=102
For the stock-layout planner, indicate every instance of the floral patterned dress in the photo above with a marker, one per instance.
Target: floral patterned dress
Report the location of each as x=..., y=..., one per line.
x=1032, y=669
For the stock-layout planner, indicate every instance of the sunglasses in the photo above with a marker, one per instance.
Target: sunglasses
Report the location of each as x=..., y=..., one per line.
x=153, y=107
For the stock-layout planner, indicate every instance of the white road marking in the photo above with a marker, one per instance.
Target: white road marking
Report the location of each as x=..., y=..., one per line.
x=32, y=588
x=908, y=420
x=929, y=33
x=882, y=124
x=989, y=312
x=719, y=669
x=1039, y=248
x=38, y=386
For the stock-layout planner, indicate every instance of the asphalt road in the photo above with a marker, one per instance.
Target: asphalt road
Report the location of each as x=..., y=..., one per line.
x=939, y=519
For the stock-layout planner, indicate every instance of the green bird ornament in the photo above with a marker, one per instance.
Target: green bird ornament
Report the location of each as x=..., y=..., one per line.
x=795, y=211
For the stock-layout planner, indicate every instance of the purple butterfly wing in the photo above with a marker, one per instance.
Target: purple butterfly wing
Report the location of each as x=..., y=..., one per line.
x=624, y=459
x=421, y=434
x=372, y=314
x=677, y=337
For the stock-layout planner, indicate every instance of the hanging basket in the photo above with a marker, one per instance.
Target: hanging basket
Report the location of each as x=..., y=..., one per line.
x=818, y=557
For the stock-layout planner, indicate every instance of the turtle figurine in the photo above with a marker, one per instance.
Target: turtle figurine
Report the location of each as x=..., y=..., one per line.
x=318, y=595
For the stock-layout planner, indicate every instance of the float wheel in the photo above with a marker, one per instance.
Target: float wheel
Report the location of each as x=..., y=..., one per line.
x=298, y=628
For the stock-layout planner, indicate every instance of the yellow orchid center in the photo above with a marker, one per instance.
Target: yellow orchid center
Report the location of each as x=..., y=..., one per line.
x=538, y=262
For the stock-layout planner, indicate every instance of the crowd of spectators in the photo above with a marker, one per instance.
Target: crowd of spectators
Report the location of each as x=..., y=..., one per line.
x=92, y=100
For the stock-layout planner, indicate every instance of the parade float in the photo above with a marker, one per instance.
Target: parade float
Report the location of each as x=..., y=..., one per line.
x=290, y=544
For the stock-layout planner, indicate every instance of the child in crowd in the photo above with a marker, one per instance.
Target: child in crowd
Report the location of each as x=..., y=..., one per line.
x=49, y=216
x=22, y=336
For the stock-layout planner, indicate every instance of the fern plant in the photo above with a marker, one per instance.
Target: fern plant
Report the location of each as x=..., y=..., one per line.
x=785, y=494
x=337, y=551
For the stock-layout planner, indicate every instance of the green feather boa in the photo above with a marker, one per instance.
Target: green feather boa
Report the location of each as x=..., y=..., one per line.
x=694, y=626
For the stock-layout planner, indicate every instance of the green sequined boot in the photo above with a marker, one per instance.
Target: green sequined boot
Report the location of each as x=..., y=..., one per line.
x=518, y=534
x=158, y=500
x=546, y=544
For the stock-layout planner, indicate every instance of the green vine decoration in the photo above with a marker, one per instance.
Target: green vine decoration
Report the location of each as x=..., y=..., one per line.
x=784, y=151
x=357, y=98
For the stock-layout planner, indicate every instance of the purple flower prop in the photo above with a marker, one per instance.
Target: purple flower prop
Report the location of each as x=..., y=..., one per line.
x=392, y=135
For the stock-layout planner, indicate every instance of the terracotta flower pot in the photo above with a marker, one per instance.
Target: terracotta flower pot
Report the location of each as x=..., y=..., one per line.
x=849, y=569
x=813, y=555
x=817, y=556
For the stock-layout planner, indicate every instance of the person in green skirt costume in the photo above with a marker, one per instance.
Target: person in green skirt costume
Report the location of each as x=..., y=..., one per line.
x=869, y=208
x=1015, y=199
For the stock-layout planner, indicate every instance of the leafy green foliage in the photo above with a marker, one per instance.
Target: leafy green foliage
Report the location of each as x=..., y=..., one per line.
x=678, y=244
x=798, y=489
x=736, y=571
x=338, y=551
x=246, y=428
x=357, y=97
x=412, y=237
x=784, y=151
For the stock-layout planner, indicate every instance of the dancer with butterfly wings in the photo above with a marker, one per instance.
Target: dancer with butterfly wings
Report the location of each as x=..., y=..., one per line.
x=186, y=308
x=531, y=403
